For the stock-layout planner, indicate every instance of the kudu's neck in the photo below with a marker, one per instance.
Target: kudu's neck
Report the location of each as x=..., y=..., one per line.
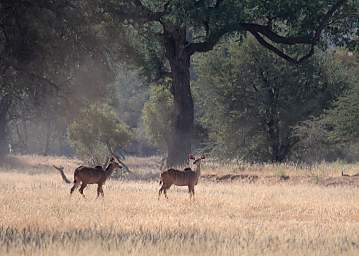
x=109, y=170
x=198, y=168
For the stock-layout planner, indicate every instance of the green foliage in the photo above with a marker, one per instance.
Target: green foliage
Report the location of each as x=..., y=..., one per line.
x=334, y=134
x=158, y=115
x=252, y=99
x=343, y=117
x=314, y=144
x=96, y=130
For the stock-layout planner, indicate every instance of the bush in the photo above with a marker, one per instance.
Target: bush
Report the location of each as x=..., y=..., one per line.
x=97, y=130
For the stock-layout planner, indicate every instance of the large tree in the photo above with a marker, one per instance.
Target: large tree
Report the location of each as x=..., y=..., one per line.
x=184, y=27
x=257, y=98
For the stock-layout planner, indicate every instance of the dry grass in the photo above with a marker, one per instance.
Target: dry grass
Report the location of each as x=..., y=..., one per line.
x=39, y=218
x=322, y=169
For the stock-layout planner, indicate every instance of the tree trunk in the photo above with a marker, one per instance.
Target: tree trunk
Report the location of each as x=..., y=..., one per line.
x=180, y=143
x=278, y=150
x=5, y=103
x=48, y=136
x=279, y=142
x=273, y=133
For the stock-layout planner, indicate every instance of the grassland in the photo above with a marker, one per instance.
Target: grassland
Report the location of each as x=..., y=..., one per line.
x=37, y=216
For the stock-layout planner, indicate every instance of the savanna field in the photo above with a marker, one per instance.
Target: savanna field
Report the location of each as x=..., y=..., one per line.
x=239, y=209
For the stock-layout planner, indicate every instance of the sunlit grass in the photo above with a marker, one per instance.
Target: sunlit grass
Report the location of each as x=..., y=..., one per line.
x=38, y=217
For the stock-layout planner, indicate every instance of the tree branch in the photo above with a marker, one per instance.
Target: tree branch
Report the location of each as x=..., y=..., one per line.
x=279, y=52
x=212, y=39
x=261, y=31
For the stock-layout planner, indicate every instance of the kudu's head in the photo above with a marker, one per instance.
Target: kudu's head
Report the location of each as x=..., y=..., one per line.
x=113, y=165
x=196, y=160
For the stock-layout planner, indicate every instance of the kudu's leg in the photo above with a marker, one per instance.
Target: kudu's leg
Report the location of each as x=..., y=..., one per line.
x=103, y=194
x=74, y=187
x=160, y=192
x=83, y=186
x=191, y=192
x=100, y=191
x=165, y=192
x=165, y=188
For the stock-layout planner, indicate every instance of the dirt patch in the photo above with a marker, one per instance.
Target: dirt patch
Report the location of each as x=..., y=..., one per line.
x=231, y=177
x=340, y=181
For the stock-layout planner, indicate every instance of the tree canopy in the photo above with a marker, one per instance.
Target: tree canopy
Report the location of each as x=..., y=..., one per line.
x=256, y=98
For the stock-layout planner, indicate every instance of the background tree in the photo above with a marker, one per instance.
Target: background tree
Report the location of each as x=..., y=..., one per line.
x=184, y=27
x=314, y=143
x=342, y=118
x=38, y=54
x=54, y=60
x=252, y=99
x=23, y=55
x=333, y=135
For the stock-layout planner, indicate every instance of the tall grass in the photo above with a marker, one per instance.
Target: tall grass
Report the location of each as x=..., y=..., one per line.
x=38, y=217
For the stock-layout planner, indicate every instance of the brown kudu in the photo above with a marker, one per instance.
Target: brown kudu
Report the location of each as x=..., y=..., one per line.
x=93, y=175
x=187, y=177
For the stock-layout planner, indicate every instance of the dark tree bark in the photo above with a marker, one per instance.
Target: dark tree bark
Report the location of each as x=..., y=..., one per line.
x=279, y=147
x=276, y=135
x=180, y=143
x=5, y=103
x=48, y=135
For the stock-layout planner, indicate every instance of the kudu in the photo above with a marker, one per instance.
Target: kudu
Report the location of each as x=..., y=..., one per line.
x=93, y=175
x=187, y=177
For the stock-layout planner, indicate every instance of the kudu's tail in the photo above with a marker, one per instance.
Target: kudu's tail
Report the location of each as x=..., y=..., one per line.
x=63, y=176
